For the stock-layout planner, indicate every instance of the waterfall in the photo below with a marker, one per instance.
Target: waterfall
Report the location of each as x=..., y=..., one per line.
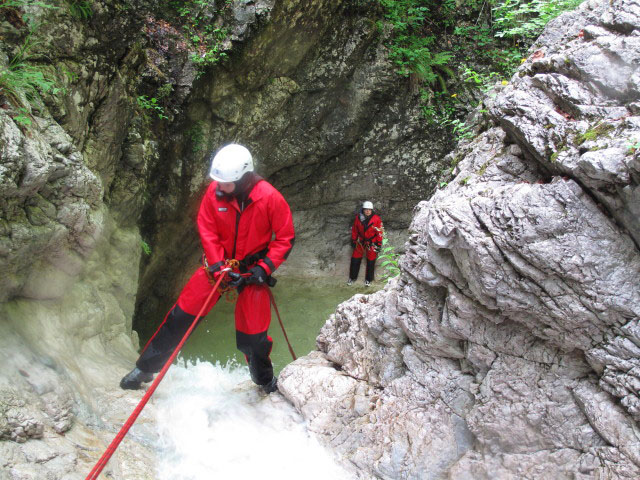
x=214, y=423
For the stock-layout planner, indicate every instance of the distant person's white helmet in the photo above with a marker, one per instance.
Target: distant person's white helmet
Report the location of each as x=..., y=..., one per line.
x=231, y=163
x=368, y=205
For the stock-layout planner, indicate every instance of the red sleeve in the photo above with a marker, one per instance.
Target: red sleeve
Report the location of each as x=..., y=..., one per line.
x=282, y=226
x=208, y=229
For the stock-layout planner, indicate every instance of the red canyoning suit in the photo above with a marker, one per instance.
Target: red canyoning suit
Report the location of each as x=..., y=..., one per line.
x=258, y=230
x=366, y=237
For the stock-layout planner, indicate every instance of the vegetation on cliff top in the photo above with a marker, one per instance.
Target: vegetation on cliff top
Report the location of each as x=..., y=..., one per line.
x=441, y=45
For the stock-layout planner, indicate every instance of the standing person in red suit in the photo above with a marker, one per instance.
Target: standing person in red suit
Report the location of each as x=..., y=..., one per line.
x=366, y=239
x=241, y=217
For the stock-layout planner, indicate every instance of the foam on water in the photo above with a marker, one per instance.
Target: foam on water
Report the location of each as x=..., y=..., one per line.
x=213, y=423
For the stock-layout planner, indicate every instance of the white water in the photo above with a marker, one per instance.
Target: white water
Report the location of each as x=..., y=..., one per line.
x=214, y=424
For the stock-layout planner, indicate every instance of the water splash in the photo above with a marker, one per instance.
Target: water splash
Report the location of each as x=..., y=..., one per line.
x=213, y=423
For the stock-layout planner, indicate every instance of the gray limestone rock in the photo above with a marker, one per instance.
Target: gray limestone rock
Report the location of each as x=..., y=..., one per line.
x=518, y=307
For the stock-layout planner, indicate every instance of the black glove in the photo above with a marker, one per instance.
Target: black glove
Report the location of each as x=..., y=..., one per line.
x=353, y=244
x=214, y=270
x=258, y=276
x=236, y=280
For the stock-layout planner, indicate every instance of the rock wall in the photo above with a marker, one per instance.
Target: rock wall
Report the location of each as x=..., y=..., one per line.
x=70, y=201
x=510, y=345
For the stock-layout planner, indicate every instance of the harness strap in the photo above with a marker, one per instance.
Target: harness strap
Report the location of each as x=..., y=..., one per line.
x=253, y=258
x=243, y=264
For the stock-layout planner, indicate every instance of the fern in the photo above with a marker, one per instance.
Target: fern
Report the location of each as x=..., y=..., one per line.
x=21, y=82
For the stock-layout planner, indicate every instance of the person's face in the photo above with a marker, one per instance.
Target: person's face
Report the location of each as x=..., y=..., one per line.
x=226, y=187
x=367, y=211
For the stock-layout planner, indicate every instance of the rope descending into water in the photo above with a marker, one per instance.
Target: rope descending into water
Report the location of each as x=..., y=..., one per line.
x=102, y=462
x=106, y=456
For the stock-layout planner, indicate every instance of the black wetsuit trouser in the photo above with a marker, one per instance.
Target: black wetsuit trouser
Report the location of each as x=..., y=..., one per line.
x=354, y=268
x=256, y=347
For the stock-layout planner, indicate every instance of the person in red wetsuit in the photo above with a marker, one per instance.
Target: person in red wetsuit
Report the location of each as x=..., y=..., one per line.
x=366, y=239
x=241, y=217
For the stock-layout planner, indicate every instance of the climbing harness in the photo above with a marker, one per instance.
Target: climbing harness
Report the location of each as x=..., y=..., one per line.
x=102, y=462
x=270, y=282
x=230, y=293
x=363, y=248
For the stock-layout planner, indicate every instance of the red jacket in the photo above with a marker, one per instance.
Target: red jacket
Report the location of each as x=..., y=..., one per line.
x=368, y=231
x=228, y=233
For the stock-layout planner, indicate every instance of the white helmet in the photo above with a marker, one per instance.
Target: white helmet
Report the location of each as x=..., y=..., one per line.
x=368, y=205
x=231, y=163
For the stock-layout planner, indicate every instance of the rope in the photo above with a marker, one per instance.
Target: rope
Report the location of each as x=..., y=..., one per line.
x=102, y=462
x=275, y=307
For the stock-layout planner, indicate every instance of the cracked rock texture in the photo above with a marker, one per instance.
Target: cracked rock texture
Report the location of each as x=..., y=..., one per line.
x=509, y=347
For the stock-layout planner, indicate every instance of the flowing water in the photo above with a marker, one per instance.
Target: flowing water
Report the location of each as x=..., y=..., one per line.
x=213, y=423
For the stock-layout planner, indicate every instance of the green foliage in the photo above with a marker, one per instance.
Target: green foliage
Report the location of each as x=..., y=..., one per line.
x=482, y=81
x=411, y=47
x=461, y=131
x=23, y=3
x=80, y=8
x=389, y=259
x=495, y=33
x=634, y=145
x=22, y=83
x=165, y=90
x=203, y=36
x=525, y=19
x=593, y=133
x=145, y=247
x=23, y=118
x=438, y=107
x=151, y=104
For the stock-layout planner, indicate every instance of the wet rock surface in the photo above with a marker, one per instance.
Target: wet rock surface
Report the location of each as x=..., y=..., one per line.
x=513, y=330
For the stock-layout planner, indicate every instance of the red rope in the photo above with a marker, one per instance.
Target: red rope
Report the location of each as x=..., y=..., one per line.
x=93, y=475
x=275, y=307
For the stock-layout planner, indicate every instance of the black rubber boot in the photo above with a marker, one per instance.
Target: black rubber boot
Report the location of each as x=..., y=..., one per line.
x=270, y=387
x=133, y=379
x=256, y=348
